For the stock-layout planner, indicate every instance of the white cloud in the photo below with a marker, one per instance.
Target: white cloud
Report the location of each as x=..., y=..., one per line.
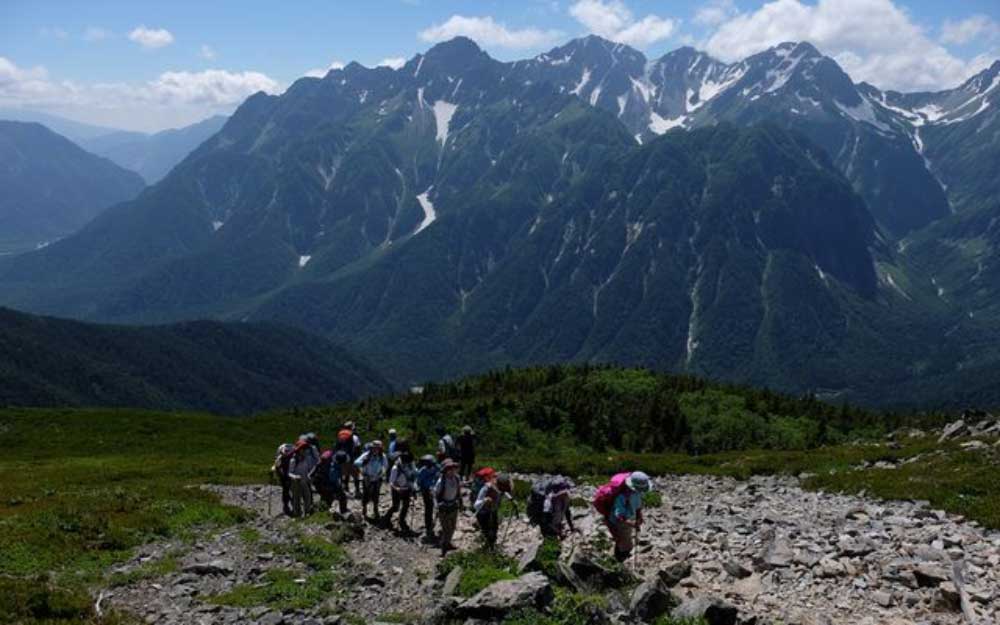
x=977, y=27
x=173, y=98
x=55, y=32
x=488, y=32
x=94, y=34
x=613, y=20
x=151, y=37
x=207, y=52
x=715, y=12
x=392, y=62
x=873, y=40
x=320, y=72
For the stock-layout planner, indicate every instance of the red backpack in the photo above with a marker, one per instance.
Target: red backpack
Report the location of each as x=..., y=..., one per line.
x=604, y=498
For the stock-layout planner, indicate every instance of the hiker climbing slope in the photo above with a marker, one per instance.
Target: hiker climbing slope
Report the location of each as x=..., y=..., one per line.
x=549, y=506
x=427, y=477
x=339, y=466
x=446, y=446
x=402, y=479
x=280, y=470
x=371, y=465
x=300, y=468
x=620, y=503
x=466, y=452
x=487, y=504
x=448, y=497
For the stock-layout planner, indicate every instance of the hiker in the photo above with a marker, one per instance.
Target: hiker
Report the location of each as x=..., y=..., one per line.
x=448, y=498
x=466, y=452
x=340, y=465
x=446, y=446
x=548, y=506
x=427, y=476
x=300, y=467
x=280, y=469
x=402, y=479
x=391, y=454
x=321, y=477
x=371, y=466
x=624, y=515
x=345, y=443
x=488, y=504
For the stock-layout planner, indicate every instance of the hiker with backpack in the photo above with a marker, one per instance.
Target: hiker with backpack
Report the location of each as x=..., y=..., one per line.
x=446, y=446
x=340, y=465
x=371, y=466
x=548, y=506
x=466, y=452
x=345, y=443
x=448, y=499
x=620, y=503
x=300, y=467
x=279, y=469
x=427, y=476
x=402, y=480
x=321, y=478
x=487, y=506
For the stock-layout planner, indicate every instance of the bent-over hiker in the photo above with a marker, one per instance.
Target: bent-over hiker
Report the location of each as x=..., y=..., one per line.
x=448, y=497
x=625, y=517
x=372, y=467
x=338, y=467
x=427, y=476
x=556, y=511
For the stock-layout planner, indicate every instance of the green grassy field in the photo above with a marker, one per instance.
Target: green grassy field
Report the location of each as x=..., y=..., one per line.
x=81, y=489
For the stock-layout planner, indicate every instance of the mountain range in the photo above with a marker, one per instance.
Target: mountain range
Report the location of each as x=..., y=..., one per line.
x=51, y=187
x=768, y=221
x=203, y=365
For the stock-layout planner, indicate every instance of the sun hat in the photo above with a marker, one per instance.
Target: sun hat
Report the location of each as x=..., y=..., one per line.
x=639, y=482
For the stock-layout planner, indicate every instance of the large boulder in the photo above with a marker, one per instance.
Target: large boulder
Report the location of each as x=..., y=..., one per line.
x=596, y=574
x=528, y=591
x=953, y=430
x=672, y=573
x=651, y=599
x=713, y=611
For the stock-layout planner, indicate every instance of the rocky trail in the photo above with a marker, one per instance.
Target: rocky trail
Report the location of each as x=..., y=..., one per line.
x=758, y=551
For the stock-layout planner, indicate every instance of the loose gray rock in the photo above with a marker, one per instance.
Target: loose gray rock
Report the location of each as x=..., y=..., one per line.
x=651, y=599
x=713, y=611
x=214, y=567
x=528, y=591
x=451, y=582
x=736, y=569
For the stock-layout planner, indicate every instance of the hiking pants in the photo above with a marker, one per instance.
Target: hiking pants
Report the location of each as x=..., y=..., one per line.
x=302, y=498
x=400, y=503
x=622, y=535
x=428, y=499
x=338, y=495
x=448, y=515
x=286, y=495
x=372, y=492
x=465, y=467
x=489, y=523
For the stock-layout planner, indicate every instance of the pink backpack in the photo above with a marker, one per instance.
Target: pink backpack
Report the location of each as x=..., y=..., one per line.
x=604, y=498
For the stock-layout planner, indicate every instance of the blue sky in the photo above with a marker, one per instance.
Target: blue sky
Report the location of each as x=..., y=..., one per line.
x=150, y=65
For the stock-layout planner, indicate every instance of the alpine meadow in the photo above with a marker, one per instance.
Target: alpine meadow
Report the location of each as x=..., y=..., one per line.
x=572, y=312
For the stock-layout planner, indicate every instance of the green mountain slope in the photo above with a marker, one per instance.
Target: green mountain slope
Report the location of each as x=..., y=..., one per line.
x=226, y=368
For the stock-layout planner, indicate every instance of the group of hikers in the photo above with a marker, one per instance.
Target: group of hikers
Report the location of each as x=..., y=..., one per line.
x=353, y=469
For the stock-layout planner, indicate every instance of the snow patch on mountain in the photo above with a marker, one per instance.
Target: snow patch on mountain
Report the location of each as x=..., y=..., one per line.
x=216, y=225
x=443, y=112
x=660, y=125
x=622, y=99
x=711, y=88
x=429, y=213
x=863, y=112
x=584, y=79
x=646, y=90
x=304, y=260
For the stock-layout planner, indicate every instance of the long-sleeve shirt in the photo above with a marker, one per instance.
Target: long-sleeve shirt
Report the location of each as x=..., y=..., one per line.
x=372, y=466
x=448, y=490
x=402, y=476
x=427, y=476
x=489, y=498
x=303, y=462
x=627, y=506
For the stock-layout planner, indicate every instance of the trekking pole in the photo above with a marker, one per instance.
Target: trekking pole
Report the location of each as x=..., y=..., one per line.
x=635, y=549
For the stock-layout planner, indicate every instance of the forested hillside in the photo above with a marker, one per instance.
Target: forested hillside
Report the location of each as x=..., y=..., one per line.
x=225, y=368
